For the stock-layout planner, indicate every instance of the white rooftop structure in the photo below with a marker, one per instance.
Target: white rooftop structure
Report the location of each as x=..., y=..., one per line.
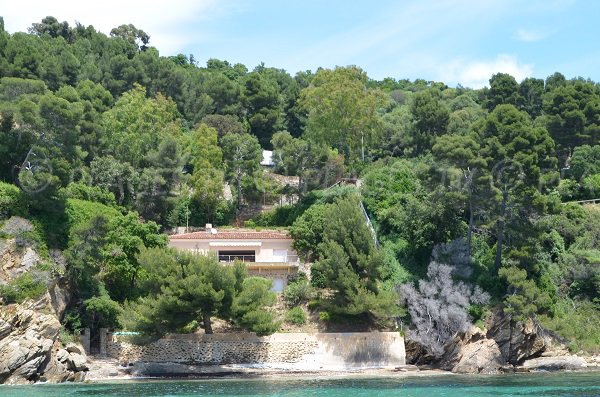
x=267, y=158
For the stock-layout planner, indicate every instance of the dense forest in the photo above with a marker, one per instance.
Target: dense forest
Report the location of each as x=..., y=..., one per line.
x=105, y=144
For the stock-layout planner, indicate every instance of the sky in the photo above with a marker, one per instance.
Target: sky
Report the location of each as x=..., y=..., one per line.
x=453, y=41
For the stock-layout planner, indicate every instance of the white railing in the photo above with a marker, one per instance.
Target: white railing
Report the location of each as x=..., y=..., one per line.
x=254, y=259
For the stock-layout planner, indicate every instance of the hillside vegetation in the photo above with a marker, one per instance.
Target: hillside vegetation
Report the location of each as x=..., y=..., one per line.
x=105, y=144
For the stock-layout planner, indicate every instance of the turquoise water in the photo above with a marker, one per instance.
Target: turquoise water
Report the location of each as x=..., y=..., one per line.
x=561, y=384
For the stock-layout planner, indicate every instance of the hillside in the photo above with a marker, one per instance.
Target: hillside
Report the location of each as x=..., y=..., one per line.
x=105, y=145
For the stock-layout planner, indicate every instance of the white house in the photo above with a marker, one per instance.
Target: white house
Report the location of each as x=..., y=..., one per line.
x=267, y=253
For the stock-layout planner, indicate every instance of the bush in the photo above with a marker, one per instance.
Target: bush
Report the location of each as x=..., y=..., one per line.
x=324, y=316
x=296, y=316
x=102, y=312
x=577, y=321
x=11, y=201
x=81, y=211
x=22, y=288
x=82, y=191
x=298, y=292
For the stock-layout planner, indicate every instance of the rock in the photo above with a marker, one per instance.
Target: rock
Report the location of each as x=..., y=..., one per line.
x=58, y=295
x=30, y=259
x=555, y=363
x=29, y=348
x=5, y=328
x=75, y=348
x=472, y=353
x=519, y=341
x=77, y=362
x=416, y=353
x=16, y=225
x=32, y=336
x=499, y=349
x=62, y=356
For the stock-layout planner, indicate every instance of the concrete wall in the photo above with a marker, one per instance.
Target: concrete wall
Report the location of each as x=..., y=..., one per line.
x=294, y=351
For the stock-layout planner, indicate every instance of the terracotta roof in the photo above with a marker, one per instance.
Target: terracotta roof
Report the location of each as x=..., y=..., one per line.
x=233, y=235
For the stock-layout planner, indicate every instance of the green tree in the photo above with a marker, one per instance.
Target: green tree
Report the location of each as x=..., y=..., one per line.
x=183, y=287
x=521, y=162
x=350, y=265
x=342, y=112
x=207, y=177
x=430, y=116
x=504, y=89
x=242, y=154
x=250, y=306
x=124, y=240
x=462, y=152
x=262, y=101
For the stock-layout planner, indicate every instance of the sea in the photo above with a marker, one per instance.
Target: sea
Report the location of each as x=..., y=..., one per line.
x=538, y=384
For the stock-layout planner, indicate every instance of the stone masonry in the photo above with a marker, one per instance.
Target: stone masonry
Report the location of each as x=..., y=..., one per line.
x=319, y=350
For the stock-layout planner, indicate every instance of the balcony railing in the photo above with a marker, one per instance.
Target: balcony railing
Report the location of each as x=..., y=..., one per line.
x=253, y=259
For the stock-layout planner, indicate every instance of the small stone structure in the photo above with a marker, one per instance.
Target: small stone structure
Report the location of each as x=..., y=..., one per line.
x=301, y=351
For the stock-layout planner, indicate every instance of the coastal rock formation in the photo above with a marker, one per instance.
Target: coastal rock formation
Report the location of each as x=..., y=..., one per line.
x=30, y=349
x=500, y=347
x=554, y=363
x=472, y=352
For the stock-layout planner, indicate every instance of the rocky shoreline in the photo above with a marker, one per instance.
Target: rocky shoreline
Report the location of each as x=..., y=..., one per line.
x=102, y=370
x=31, y=349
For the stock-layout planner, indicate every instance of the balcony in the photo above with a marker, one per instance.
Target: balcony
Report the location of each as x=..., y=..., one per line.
x=251, y=260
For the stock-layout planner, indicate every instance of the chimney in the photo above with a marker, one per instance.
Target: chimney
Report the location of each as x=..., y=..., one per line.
x=208, y=227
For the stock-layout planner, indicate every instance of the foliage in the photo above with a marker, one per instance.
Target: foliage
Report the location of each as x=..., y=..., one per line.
x=440, y=307
x=102, y=312
x=23, y=287
x=350, y=266
x=357, y=125
x=524, y=297
x=11, y=201
x=296, y=316
x=181, y=288
x=80, y=211
x=307, y=231
x=250, y=306
x=298, y=292
x=578, y=321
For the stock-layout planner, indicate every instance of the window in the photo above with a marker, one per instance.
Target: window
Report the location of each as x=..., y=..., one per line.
x=230, y=256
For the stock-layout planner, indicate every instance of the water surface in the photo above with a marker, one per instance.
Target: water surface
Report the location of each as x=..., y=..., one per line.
x=551, y=384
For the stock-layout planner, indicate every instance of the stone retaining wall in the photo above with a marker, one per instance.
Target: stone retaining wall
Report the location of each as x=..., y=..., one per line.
x=298, y=350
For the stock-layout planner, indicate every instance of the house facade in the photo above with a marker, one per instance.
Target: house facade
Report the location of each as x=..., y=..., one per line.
x=266, y=253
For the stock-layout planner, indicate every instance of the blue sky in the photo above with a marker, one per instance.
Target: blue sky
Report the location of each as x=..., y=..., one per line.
x=455, y=41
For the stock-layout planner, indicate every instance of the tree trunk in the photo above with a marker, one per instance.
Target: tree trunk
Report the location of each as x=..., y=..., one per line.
x=500, y=232
x=469, y=180
x=207, y=323
x=470, y=231
x=239, y=192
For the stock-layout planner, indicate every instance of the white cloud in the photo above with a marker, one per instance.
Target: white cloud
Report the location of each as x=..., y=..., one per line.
x=529, y=35
x=165, y=21
x=476, y=74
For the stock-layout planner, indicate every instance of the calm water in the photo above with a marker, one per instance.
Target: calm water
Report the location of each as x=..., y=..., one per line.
x=587, y=384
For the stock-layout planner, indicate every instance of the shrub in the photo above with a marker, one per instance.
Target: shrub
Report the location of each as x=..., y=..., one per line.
x=11, y=201
x=81, y=211
x=22, y=288
x=298, y=292
x=577, y=321
x=324, y=316
x=82, y=191
x=296, y=316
